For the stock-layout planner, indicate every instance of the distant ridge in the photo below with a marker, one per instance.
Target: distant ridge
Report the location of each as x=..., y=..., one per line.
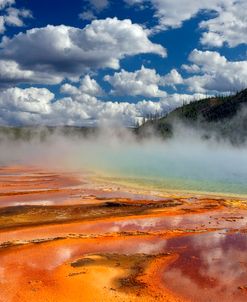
x=221, y=117
x=41, y=133
x=224, y=117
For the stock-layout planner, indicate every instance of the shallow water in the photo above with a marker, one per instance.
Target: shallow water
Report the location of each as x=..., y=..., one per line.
x=211, y=267
x=162, y=184
x=198, y=168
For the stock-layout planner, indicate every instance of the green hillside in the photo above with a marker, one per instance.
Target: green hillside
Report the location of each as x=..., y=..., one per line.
x=222, y=117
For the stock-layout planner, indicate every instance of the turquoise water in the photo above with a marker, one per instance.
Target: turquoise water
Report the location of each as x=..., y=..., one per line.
x=176, y=166
x=188, y=185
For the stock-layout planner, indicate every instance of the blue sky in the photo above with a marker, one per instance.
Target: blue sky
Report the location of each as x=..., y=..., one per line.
x=83, y=62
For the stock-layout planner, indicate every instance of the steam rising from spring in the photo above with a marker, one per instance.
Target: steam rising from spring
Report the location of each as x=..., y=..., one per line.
x=184, y=162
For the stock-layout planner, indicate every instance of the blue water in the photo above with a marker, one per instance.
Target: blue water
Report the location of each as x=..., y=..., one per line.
x=177, y=165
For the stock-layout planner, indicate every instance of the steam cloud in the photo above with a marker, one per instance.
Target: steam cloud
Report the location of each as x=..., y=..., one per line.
x=185, y=161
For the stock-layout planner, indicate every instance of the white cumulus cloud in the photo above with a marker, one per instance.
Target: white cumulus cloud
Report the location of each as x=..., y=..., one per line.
x=226, y=20
x=87, y=86
x=99, y=4
x=216, y=73
x=143, y=82
x=38, y=106
x=93, y=7
x=11, y=16
x=59, y=52
x=4, y=3
x=173, y=78
x=230, y=26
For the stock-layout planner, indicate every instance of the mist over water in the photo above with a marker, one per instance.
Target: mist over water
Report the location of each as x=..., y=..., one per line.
x=185, y=162
x=182, y=163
